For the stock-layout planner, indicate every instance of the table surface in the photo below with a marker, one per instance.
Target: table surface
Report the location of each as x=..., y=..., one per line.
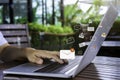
x=101, y=68
x=105, y=44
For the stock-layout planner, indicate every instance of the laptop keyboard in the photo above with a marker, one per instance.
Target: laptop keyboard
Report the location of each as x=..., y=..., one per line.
x=56, y=67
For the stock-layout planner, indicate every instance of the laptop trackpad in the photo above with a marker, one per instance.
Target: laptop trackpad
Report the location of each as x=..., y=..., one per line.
x=27, y=67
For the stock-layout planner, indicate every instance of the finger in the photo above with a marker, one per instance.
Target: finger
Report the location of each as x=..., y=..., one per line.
x=39, y=61
x=53, y=52
x=35, y=59
x=31, y=59
x=50, y=55
x=58, y=55
x=66, y=61
x=57, y=59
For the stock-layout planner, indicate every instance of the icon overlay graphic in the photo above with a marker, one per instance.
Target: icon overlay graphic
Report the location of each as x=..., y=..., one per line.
x=90, y=29
x=81, y=35
x=103, y=35
x=67, y=54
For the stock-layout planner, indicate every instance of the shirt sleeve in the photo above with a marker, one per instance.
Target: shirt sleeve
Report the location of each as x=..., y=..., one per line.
x=2, y=39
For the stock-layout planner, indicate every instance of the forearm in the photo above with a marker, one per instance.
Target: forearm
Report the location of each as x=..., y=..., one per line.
x=10, y=53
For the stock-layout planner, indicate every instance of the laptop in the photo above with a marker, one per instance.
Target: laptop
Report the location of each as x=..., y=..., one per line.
x=54, y=69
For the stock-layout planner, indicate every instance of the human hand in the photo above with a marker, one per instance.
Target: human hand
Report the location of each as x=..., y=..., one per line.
x=37, y=56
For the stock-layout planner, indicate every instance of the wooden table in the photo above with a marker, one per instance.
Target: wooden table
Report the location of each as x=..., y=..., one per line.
x=102, y=68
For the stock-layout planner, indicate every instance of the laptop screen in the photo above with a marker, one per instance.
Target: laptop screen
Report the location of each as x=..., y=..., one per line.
x=98, y=37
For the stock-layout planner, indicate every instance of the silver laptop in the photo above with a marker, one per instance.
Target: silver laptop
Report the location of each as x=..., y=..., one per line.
x=53, y=69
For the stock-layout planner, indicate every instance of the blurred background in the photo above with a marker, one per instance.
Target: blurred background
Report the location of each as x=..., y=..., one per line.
x=60, y=24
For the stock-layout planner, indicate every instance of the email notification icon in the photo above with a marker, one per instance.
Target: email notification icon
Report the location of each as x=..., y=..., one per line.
x=67, y=54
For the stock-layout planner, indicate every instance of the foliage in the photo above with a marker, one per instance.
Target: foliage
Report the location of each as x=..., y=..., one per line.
x=92, y=14
x=35, y=10
x=50, y=28
x=35, y=39
x=54, y=29
x=0, y=15
x=67, y=29
x=97, y=3
x=35, y=28
x=71, y=12
x=22, y=20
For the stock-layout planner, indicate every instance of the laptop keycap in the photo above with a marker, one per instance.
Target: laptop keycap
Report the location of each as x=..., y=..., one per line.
x=65, y=68
x=56, y=67
x=51, y=67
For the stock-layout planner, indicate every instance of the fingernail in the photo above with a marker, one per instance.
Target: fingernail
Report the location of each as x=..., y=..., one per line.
x=40, y=62
x=61, y=62
x=65, y=61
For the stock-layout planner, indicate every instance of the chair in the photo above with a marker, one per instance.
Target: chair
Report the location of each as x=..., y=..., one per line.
x=16, y=34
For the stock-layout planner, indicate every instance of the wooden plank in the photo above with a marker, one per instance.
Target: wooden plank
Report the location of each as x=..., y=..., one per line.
x=105, y=74
x=96, y=74
x=16, y=39
x=83, y=78
x=98, y=77
x=106, y=71
x=14, y=33
x=102, y=69
x=12, y=26
x=115, y=38
x=22, y=45
x=108, y=67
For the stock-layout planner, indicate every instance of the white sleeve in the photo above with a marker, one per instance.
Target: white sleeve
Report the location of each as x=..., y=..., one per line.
x=2, y=39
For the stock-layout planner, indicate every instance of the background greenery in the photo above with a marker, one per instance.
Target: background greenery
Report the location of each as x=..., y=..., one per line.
x=49, y=36
x=73, y=15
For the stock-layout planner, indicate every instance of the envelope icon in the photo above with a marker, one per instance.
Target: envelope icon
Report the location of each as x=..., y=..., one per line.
x=67, y=54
